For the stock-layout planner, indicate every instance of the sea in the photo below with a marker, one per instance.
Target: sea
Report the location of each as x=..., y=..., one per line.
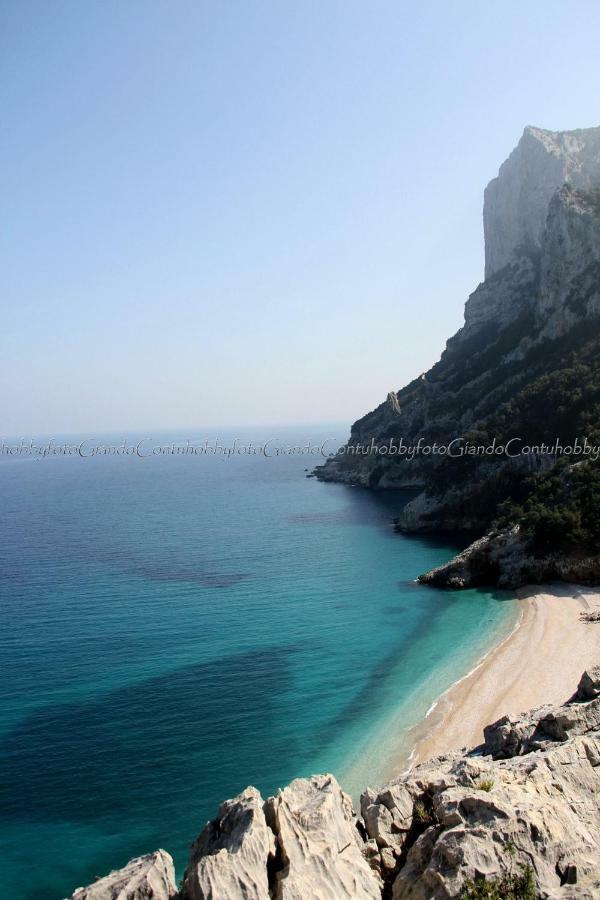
x=180, y=623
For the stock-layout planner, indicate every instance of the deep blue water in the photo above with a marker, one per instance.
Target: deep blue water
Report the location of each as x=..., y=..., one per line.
x=177, y=628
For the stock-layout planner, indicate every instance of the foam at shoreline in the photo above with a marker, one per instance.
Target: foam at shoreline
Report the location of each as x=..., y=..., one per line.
x=509, y=675
x=515, y=674
x=391, y=748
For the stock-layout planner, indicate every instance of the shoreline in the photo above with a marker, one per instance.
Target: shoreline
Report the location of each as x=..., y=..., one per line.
x=387, y=749
x=538, y=662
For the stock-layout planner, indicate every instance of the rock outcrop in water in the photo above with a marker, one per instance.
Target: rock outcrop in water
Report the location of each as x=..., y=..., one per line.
x=505, y=558
x=520, y=814
x=522, y=374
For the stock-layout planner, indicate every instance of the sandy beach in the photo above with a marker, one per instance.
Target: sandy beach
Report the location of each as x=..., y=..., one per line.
x=539, y=662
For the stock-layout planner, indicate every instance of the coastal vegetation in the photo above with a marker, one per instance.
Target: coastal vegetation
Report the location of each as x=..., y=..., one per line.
x=513, y=886
x=510, y=885
x=522, y=373
x=561, y=512
x=486, y=784
x=557, y=504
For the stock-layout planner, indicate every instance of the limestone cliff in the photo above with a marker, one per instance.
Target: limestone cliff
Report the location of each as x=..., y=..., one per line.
x=517, y=817
x=524, y=366
x=516, y=202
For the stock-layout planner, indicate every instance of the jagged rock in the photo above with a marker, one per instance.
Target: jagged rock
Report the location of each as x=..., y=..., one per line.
x=467, y=817
x=501, y=299
x=379, y=822
x=570, y=262
x=150, y=877
x=590, y=892
x=539, y=810
x=589, y=684
x=455, y=818
x=232, y=855
x=388, y=815
x=590, y=617
x=515, y=735
x=516, y=202
x=505, y=558
x=388, y=861
x=372, y=855
x=497, y=557
x=508, y=736
x=320, y=846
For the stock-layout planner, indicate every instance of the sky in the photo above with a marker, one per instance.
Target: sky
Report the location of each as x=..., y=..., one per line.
x=247, y=212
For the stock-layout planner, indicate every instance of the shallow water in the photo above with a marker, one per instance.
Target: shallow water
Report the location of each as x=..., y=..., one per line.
x=177, y=628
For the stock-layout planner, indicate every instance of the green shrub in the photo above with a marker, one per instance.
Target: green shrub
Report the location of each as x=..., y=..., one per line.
x=562, y=511
x=505, y=887
x=486, y=784
x=421, y=813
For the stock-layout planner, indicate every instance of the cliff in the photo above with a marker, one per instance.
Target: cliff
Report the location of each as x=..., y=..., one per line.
x=522, y=374
x=516, y=202
x=517, y=817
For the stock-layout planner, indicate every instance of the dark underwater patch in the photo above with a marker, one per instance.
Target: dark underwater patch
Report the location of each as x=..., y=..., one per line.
x=121, y=754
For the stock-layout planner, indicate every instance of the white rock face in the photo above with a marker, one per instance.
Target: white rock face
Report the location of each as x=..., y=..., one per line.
x=524, y=804
x=231, y=856
x=516, y=202
x=542, y=244
x=589, y=684
x=319, y=844
x=570, y=262
x=489, y=818
x=529, y=798
x=151, y=876
x=501, y=300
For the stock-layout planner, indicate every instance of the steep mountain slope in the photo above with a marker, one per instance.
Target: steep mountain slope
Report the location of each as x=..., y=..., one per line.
x=516, y=387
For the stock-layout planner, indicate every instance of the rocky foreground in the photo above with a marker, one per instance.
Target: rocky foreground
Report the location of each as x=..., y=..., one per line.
x=517, y=817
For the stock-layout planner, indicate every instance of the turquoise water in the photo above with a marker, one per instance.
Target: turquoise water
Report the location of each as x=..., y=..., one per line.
x=176, y=628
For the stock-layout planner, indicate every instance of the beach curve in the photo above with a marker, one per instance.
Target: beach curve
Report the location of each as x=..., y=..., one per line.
x=539, y=662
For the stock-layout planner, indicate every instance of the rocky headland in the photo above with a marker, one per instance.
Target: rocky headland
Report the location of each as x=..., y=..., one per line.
x=515, y=386
x=516, y=817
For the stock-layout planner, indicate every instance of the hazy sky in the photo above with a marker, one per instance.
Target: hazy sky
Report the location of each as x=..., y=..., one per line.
x=238, y=212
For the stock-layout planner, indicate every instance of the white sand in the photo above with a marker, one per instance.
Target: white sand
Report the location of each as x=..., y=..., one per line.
x=540, y=662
